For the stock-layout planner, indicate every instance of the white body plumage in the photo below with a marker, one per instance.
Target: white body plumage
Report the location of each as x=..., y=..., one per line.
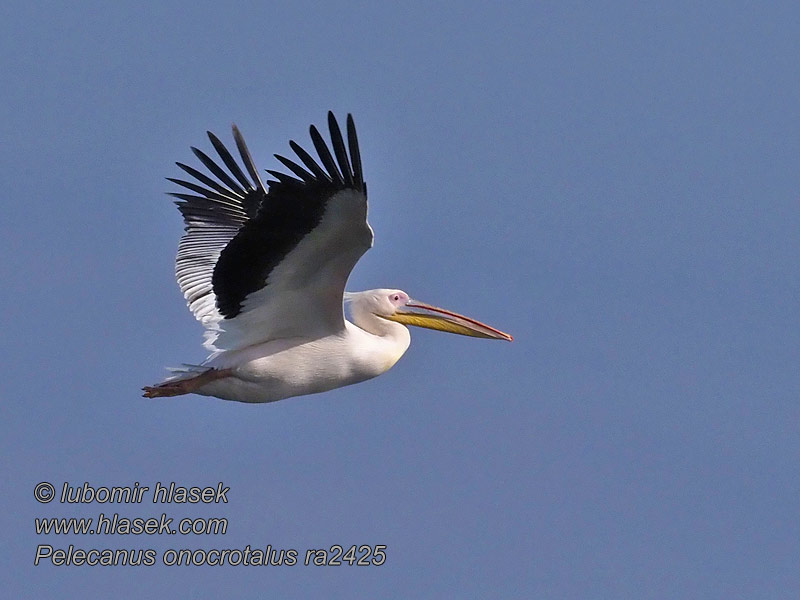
x=288, y=367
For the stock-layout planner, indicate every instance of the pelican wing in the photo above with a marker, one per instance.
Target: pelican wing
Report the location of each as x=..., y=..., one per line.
x=259, y=263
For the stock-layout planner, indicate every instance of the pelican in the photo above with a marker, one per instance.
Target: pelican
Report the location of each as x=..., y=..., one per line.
x=264, y=268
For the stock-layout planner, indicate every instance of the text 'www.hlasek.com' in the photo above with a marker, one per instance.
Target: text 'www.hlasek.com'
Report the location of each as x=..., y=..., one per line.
x=109, y=522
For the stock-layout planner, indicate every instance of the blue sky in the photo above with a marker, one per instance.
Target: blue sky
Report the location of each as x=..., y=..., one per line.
x=615, y=185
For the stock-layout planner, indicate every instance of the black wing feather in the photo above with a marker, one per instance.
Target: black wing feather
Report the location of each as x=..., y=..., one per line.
x=284, y=178
x=230, y=162
x=312, y=165
x=246, y=158
x=216, y=170
x=295, y=168
x=203, y=178
x=355, y=155
x=221, y=198
x=339, y=149
x=325, y=155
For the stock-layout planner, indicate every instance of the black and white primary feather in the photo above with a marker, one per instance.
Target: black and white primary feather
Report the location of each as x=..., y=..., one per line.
x=264, y=269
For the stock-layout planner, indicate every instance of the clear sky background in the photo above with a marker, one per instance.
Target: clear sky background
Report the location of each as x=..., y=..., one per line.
x=617, y=185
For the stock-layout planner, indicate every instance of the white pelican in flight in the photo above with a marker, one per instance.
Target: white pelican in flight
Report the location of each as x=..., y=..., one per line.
x=263, y=268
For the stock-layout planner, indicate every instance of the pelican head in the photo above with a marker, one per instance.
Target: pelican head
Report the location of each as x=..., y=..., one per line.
x=397, y=306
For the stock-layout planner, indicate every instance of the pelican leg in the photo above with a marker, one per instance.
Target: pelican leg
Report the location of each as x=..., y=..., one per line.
x=179, y=387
